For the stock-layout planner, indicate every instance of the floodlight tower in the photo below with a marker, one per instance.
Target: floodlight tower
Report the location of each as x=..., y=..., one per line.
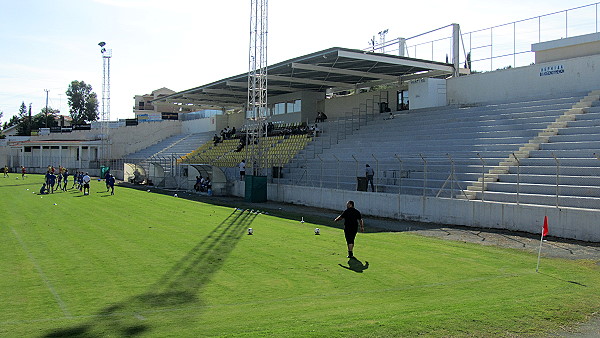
x=105, y=114
x=382, y=39
x=257, y=84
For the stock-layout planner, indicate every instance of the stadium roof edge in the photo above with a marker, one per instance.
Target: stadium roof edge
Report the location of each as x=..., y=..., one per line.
x=334, y=67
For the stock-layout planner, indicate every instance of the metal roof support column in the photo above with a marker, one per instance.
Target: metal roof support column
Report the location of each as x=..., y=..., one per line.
x=456, y=48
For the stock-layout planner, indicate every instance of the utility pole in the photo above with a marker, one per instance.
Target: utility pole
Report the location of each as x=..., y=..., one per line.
x=46, y=119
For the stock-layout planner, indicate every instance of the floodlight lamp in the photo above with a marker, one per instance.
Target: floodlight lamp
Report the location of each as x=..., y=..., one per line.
x=102, y=50
x=102, y=44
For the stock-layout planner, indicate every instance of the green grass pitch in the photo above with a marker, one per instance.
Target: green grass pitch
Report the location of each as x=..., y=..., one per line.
x=152, y=265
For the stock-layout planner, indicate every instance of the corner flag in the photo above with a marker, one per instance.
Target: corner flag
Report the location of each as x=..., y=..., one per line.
x=545, y=228
x=544, y=233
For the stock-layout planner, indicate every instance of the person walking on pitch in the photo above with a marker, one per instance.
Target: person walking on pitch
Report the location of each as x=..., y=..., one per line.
x=352, y=218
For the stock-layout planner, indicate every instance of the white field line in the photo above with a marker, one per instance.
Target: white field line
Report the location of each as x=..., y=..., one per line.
x=192, y=309
x=43, y=276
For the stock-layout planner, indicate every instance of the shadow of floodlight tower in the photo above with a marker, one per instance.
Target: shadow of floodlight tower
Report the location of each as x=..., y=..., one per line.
x=104, y=155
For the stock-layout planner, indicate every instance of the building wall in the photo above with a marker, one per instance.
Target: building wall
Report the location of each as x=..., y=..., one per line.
x=340, y=106
x=543, y=80
x=124, y=140
x=427, y=93
x=4, y=153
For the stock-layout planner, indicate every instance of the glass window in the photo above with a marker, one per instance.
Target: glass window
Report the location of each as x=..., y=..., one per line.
x=298, y=106
x=294, y=106
x=279, y=109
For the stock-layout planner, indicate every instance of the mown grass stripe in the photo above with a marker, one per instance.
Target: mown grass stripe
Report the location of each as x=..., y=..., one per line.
x=59, y=301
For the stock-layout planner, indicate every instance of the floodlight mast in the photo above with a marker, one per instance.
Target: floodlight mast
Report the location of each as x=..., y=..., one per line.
x=104, y=155
x=257, y=111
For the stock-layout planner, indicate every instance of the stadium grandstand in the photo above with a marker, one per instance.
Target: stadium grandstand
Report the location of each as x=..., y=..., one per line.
x=451, y=141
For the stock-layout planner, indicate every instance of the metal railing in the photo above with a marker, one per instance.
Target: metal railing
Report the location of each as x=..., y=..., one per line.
x=500, y=46
x=554, y=181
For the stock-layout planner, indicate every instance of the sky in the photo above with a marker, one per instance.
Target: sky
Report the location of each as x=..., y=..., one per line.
x=181, y=44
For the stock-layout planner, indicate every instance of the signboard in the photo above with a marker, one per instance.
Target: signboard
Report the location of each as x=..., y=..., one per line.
x=170, y=116
x=552, y=70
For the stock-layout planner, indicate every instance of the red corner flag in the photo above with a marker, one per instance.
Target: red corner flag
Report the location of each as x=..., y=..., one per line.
x=544, y=233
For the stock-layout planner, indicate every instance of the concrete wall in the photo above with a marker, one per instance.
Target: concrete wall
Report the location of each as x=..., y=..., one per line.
x=127, y=140
x=339, y=106
x=543, y=80
x=427, y=93
x=199, y=125
x=308, y=111
x=567, y=48
x=232, y=120
x=569, y=223
x=4, y=153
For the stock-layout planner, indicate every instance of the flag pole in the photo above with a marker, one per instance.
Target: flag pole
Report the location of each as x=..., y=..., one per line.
x=539, y=253
x=544, y=233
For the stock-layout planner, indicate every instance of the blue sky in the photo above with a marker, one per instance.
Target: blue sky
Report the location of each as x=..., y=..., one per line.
x=180, y=44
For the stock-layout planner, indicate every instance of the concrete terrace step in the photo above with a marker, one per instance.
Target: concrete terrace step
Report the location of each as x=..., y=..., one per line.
x=574, y=137
x=551, y=179
x=572, y=145
x=545, y=189
x=540, y=199
x=564, y=154
x=552, y=170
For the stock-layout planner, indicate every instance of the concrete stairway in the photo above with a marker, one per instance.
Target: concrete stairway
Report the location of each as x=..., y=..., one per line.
x=565, y=147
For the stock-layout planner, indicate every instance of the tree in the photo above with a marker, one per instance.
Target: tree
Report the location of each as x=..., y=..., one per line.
x=83, y=102
x=22, y=110
x=49, y=118
x=22, y=121
x=14, y=120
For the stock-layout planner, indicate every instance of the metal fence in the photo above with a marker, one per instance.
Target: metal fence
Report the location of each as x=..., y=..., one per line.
x=501, y=46
x=566, y=182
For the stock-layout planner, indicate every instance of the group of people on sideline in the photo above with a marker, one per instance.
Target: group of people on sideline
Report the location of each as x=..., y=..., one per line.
x=203, y=184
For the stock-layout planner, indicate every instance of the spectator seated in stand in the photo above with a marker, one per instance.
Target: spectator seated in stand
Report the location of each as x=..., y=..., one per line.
x=321, y=117
x=315, y=131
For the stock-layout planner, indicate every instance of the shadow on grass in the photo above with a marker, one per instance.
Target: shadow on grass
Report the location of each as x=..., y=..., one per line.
x=563, y=280
x=356, y=265
x=236, y=202
x=176, y=288
x=21, y=185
